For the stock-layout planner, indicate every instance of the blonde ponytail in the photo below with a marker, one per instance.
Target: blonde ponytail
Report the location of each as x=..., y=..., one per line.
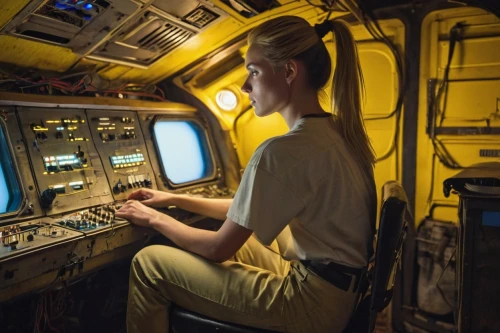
x=347, y=90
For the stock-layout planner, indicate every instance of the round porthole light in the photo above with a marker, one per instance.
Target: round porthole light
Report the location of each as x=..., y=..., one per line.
x=226, y=100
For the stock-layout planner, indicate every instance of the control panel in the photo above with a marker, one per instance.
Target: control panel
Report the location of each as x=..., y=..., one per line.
x=67, y=167
x=92, y=220
x=77, y=166
x=31, y=236
x=118, y=138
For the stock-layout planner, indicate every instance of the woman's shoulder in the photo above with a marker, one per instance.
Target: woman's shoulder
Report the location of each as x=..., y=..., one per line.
x=264, y=150
x=276, y=152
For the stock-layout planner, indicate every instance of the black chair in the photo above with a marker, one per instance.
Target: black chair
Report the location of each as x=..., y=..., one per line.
x=390, y=237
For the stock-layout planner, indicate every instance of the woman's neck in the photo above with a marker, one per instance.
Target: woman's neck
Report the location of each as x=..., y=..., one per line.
x=299, y=106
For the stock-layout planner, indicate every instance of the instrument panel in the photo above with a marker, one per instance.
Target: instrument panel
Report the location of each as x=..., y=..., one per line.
x=65, y=161
x=76, y=166
x=118, y=137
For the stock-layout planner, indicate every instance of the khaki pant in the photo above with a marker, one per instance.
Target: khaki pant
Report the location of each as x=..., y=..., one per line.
x=258, y=289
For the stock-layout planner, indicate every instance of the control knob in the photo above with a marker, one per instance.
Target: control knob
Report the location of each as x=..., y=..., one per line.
x=47, y=197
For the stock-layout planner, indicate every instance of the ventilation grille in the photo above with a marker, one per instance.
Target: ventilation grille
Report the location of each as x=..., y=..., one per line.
x=489, y=152
x=200, y=17
x=144, y=41
x=163, y=37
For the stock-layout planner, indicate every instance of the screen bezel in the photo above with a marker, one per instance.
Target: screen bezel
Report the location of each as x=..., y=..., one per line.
x=22, y=193
x=205, y=132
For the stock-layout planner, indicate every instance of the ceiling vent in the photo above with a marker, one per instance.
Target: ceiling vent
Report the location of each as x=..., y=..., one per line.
x=144, y=40
x=200, y=17
x=77, y=24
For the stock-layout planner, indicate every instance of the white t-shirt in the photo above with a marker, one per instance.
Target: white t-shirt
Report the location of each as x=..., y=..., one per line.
x=309, y=181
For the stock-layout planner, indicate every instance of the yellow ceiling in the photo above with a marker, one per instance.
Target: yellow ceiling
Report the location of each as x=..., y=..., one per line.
x=28, y=53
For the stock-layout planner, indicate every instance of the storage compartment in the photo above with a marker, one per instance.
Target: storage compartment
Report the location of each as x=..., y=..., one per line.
x=436, y=292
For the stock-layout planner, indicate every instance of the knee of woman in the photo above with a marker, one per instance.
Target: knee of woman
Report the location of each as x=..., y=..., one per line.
x=146, y=258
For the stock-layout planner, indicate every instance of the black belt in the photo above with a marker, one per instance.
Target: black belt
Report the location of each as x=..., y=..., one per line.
x=339, y=275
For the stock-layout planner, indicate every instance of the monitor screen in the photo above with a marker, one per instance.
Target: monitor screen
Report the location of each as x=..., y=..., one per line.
x=10, y=192
x=491, y=218
x=4, y=193
x=184, y=151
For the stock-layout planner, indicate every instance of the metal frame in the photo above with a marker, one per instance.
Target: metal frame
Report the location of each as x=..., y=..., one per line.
x=45, y=101
x=206, y=132
x=17, y=172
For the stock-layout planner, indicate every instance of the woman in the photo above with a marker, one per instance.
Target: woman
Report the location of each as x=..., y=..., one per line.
x=307, y=197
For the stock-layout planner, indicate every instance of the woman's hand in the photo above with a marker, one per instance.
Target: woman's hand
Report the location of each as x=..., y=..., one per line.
x=139, y=214
x=152, y=198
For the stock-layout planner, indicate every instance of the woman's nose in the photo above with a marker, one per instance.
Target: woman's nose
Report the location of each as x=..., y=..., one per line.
x=246, y=88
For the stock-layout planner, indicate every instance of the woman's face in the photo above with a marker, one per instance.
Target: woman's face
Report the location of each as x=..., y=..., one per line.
x=266, y=86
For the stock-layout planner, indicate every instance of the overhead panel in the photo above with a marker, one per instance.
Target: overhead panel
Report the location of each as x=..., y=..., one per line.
x=156, y=31
x=131, y=32
x=78, y=25
x=146, y=39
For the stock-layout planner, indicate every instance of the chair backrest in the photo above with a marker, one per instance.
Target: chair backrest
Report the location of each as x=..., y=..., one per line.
x=390, y=237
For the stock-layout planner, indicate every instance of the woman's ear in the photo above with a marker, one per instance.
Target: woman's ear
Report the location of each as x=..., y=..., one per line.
x=291, y=68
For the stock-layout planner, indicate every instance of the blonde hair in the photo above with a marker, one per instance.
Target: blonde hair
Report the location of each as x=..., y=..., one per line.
x=291, y=37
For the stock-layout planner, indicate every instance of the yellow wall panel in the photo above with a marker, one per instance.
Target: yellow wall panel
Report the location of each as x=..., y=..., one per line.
x=482, y=104
x=381, y=133
x=472, y=98
x=473, y=58
x=27, y=53
x=251, y=131
x=379, y=72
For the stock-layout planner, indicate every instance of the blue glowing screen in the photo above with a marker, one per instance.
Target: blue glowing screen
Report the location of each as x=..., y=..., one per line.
x=10, y=192
x=491, y=219
x=4, y=193
x=183, y=150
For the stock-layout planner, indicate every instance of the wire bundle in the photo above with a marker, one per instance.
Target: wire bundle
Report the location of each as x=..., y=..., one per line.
x=49, y=310
x=34, y=82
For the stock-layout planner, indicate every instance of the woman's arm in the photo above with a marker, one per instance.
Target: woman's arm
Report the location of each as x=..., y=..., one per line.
x=217, y=246
x=215, y=208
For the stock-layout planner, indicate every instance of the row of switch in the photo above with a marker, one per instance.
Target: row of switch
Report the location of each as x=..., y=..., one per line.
x=134, y=181
x=112, y=136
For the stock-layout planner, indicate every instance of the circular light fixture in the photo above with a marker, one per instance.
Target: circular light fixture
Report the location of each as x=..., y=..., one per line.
x=226, y=100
